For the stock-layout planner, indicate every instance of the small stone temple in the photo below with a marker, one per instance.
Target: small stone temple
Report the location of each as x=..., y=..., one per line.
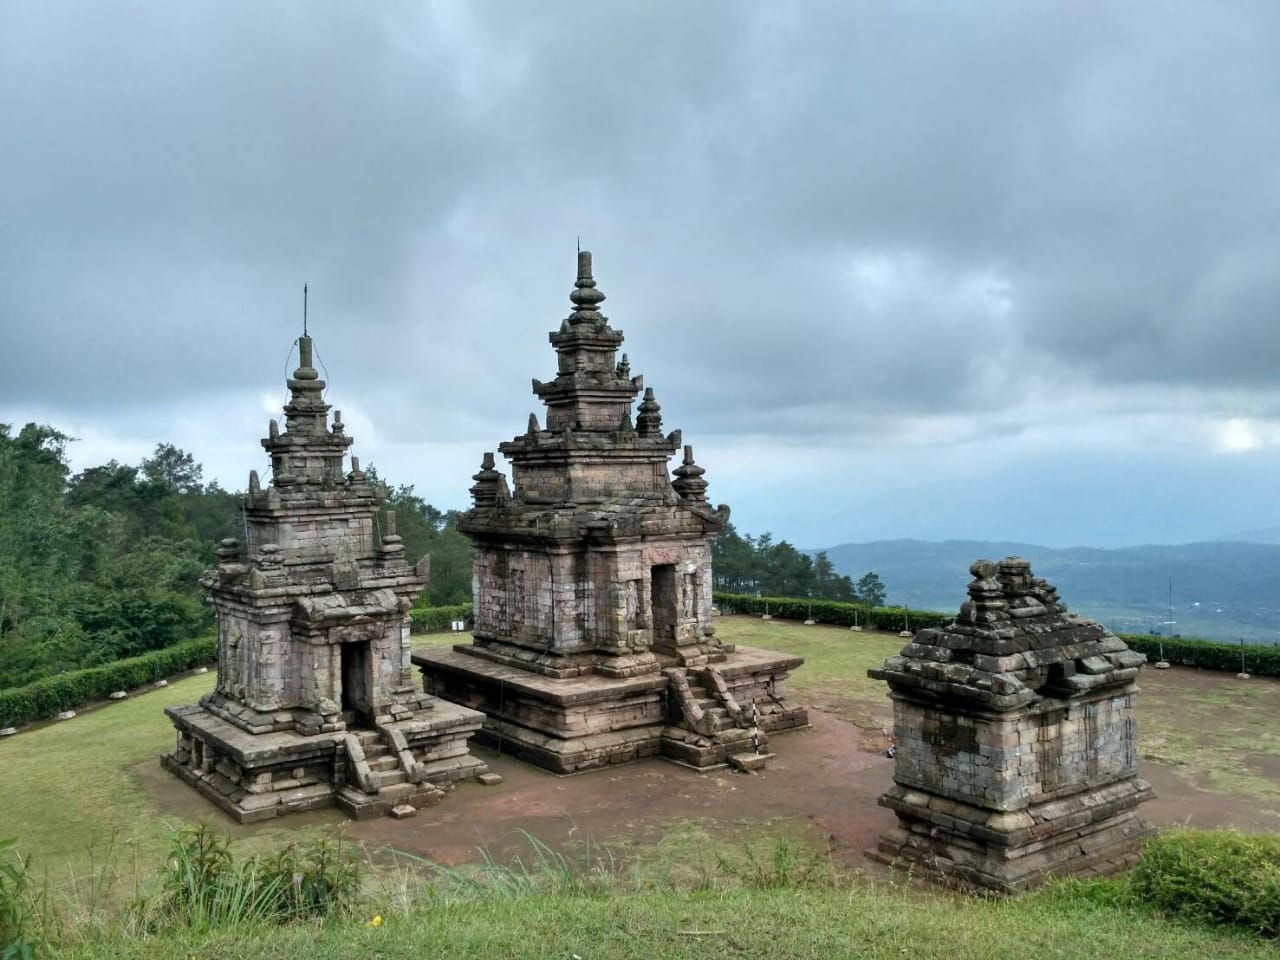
x=1015, y=755
x=315, y=701
x=593, y=640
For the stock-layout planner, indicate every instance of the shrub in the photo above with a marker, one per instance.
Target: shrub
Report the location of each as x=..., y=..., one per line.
x=437, y=618
x=1262, y=660
x=833, y=611
x=69, y=690
x=1213, y=876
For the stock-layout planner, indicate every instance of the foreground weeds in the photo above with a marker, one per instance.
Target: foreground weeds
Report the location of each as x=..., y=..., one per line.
x=777, y=898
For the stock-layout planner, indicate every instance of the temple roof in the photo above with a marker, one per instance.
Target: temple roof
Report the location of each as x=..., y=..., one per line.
x=1012, y=643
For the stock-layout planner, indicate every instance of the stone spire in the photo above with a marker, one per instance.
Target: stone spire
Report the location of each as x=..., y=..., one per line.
x=649, y=421
x=688, y=482
x=586, y=296
x=592, y=388
x=305, y=413
x=490, y=487
x=307, y=453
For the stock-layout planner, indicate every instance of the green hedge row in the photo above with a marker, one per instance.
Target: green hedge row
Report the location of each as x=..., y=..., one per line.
x=1258, y=659
x=67, y=691
x=437, y=618
x=833, y=611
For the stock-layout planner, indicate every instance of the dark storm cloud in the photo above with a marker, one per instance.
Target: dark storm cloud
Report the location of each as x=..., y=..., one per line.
x=810, y=219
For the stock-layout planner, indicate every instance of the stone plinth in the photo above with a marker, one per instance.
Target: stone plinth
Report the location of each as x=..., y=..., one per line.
x=593, y=640
x=1015, y=741
x=315, y=701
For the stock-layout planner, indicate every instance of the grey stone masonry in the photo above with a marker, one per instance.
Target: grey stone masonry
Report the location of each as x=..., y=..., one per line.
x=1015, y=741
x=315, y=701
x=592, y=582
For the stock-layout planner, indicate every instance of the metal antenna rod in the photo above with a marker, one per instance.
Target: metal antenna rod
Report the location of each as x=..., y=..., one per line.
x=304, y=309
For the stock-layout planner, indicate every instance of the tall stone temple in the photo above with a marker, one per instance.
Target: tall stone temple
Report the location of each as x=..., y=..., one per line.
x=593, y=639
x=315, y=701
x=1015, y=756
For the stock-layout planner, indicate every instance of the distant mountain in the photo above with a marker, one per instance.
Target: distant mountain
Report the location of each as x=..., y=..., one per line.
x=1261, y=535
x=1221, y=590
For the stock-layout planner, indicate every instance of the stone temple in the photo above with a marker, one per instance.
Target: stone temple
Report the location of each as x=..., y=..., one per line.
x=1015, y=755
x=315, y=701
x=593, y=640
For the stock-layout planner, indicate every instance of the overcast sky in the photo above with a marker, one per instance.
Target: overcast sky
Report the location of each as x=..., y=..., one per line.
x=935, y=269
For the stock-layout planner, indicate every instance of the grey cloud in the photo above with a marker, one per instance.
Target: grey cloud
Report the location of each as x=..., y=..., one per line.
x=181, y=170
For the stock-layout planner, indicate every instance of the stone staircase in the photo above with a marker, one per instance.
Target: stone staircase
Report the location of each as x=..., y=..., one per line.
x=381, y=775
x=716, y=729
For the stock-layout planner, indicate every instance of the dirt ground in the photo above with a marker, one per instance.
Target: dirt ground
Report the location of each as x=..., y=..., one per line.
x=824, y=779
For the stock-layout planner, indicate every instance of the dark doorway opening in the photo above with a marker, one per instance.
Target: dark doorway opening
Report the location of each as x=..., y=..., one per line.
x=665, y=606
x=357, y=686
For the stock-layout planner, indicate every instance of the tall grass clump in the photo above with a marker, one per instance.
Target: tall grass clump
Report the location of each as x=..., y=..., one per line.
x=1213, y=876
x=204, y=886
x=593, y=871
x=21, y=906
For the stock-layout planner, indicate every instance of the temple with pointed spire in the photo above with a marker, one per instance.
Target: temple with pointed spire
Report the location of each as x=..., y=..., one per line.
x=593, y=640
x=315, y=702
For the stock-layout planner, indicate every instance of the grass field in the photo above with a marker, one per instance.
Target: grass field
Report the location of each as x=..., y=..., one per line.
x=70, y=793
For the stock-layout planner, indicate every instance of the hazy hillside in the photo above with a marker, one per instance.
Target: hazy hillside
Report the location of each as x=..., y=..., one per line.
x=1220, y=590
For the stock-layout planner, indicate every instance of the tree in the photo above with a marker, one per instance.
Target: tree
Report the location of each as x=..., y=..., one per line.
x=173, y=469
x=870, y=589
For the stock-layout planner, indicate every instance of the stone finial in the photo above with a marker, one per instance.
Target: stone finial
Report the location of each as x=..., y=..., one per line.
x=649, y=421
x=255, y=485
x=228, y=550
x=586, y=297
x=490, y=486
x=273, y=429
x=623, y=370
x=392, y=549
x=305, y=369
x=356, y=475
x=533, y=428
x=338, y=425
x=688, y=482
x=269, y=555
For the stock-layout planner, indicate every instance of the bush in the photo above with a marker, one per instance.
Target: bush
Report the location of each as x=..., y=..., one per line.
x=1262, y=660
x=437, y=618
x=1213, y=876
x=833, y=611
x=69, y=690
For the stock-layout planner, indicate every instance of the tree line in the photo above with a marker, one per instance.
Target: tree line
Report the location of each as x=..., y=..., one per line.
x=759, y=566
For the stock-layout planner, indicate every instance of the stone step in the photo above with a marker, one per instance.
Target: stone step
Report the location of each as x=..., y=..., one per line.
x=385, y=778
x=382, y=763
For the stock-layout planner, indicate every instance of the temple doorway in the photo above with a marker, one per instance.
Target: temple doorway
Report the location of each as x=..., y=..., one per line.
x=665, y=606
x=357, y=682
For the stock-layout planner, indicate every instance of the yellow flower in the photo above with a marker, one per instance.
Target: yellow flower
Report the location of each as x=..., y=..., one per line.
x=375, y=922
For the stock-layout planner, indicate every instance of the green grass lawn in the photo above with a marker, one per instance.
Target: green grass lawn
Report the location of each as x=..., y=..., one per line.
x=869, y=923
